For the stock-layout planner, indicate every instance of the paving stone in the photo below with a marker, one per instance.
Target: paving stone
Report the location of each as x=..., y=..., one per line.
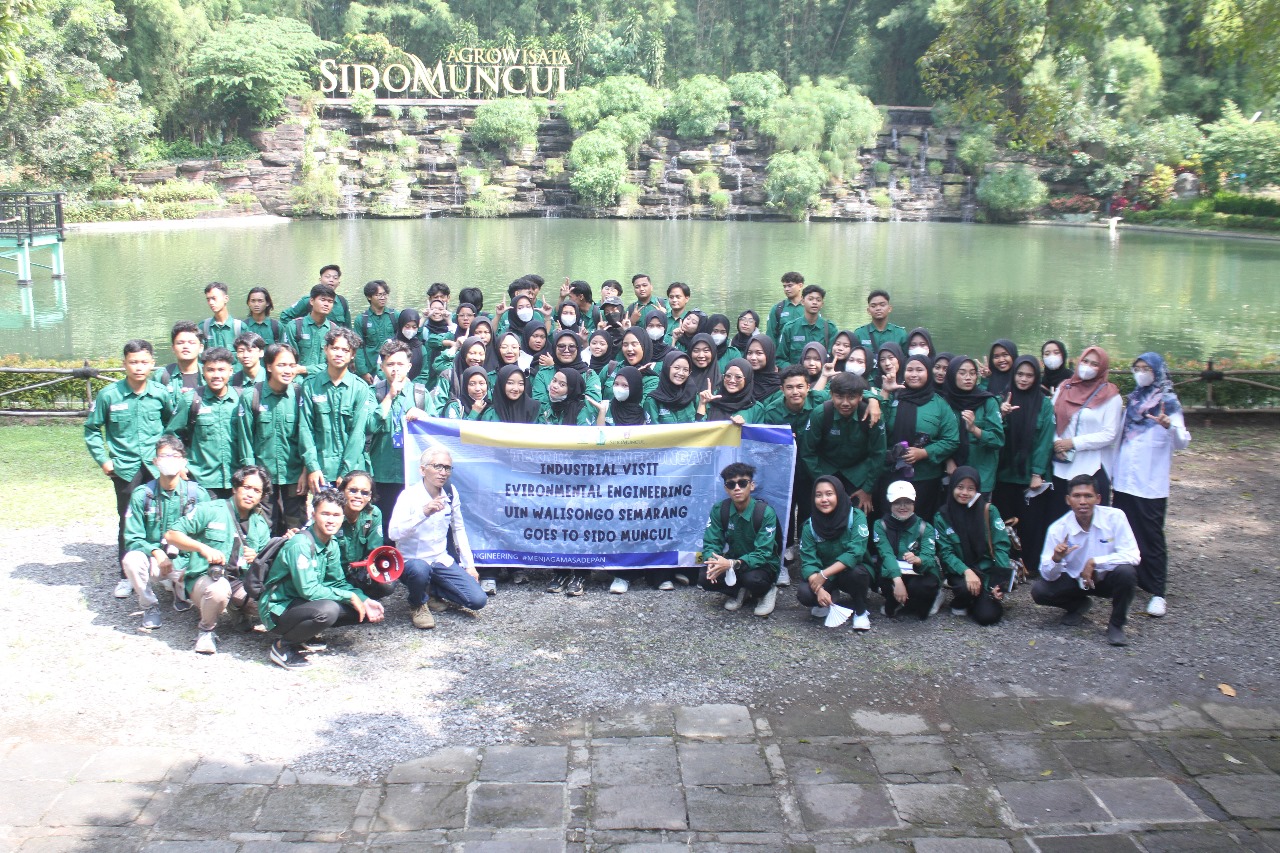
x=412, y=807
x=831, y=722
x=843, y=806
x=901, y=762
x=649, y=847
x=99, y=804
x=1242, y=716
x=714, y=722
x=130, y=764
x=23, y=803
x=1190, y=841
x=214, y=807
x=1208, y=756
x=48, y=761
x=877, y=723
x=723, y=764
x=191, y=847
x=1087, y=844
x=291, y=847
x=961, y=845
x=634, y=722
x=1015, y=758
x=1245, y=796
x=1174, y=718
x=451, y=764
x=517, y=805
x=828, y=763
x=989, y=715
x=734, y=808
x=1145, y=800
x=514, y=844
x=215, y=772
x=875, y=847
x=653, y=764
x=945, y=805
x=309, y=808
x=79, y=843
x=639, y=807
x=1081, y=716
x=1048, y=803
x=524, y=764
x=1266, y=751
x=1119, y=757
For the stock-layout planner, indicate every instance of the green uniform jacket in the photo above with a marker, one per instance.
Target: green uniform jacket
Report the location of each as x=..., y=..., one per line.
x=358, y=538
x=302, y=571
x=586, y=416
x=984, y=451
x=741, y=541
x=850, y=549
x=921, y=543
x=331, y=432
x=542, y=381
x=308, y=339
x=173, y=381
x=780, y=315
x=850, y=448
x=339, y=316
x=214, y=524
x=730, y=353
x=268, y=436
x=375, y=330
x=952, y=555
x=659, y=414
x=659, y=302
x=210, y=438
x=648, y=379
x=872, y=338
x=1040, y=457
x=799, y=333
x=220, y=334
x=147, y=521
x=936, y=420
x=124, y=427
x=387, y=460
x=773, y=410
x=271, y=330
x=453, y=411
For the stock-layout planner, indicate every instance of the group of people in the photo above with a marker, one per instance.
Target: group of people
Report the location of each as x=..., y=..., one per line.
x=914, y=465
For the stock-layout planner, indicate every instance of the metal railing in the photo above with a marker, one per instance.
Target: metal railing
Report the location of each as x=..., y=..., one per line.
x=24, y=216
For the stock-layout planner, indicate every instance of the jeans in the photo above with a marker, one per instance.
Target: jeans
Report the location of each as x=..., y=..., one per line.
x=452, y=583
x=286, y=509
x=1118, y=585
x=124, y=491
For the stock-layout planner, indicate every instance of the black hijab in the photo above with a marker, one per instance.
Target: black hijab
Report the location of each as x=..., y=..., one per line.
x=866, y=361
x=711, y=325
x=968, y=522
x=740, y=341
x=475, y=315
x=998, y=383
x=924, y=333
x=629, y=412
x=576, y=363
x=645, y=344
x=893, y=347
x=704, y=328
x=526, y=345
x=700, y=376
x=909, y=400
x=730, y=404
x=853, y=345
x=566, y=411
x=514, y=323
x=599, y=363
x=895, y=528
x=577, y=312
x=458, y=390
x=522, y=411
x=437, y=327
x=963, y=401
x=465, y=398
x=832, y=525
x=948, y=357
x=657, y=349
x=1020, y=425
x=668, y=394
x=767, y=379
x=491, y=348
x=406, y=317
x=498, y=343
x=1053, y=378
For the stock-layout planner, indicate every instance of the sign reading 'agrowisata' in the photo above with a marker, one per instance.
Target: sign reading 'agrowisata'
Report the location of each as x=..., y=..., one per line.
x=464, y=72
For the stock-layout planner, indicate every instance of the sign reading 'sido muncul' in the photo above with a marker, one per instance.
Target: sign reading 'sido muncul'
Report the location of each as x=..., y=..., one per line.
x=464, y=72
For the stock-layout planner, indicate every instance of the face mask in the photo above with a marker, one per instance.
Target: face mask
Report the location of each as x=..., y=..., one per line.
x=1086, y=371
x=918, y=351
x=408, y=334
x=655, y=333
x=1143, y=378
x=621, y=394
x=558, y=398
x=567, y=319
x=170, y=466
x=856, y=368
x=1053, y=362
x=525, y=314
x=719, y=338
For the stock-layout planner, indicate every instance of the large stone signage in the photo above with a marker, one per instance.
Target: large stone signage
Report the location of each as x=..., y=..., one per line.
x=465, y=72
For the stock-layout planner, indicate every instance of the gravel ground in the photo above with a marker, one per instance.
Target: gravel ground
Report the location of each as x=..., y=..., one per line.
x=79, y=669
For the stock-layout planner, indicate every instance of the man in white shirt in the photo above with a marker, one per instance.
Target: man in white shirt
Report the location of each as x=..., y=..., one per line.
x=424, y=517
x=1090, y=551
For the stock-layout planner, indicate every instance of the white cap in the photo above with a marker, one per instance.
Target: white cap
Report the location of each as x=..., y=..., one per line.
x=899, y=490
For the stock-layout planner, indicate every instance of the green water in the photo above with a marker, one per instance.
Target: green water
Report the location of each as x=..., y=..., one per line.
x=1186, y=296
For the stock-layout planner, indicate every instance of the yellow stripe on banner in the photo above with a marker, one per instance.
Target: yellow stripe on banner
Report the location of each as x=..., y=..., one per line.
x=546, y=437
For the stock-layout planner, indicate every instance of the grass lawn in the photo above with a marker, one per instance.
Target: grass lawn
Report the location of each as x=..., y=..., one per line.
x=47, y=465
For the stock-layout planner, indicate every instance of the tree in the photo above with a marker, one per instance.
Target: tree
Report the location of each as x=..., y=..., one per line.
x=507, y=121
x=1247, y=152
x=793, y=180
x=599, y=164
x=14, y=15
x=698, y=105
x=1012, y=194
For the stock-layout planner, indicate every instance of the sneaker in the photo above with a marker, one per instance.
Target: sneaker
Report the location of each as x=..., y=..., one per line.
x=575, y=587
x=1116, y=636
x=1074, y=617
x=1156, y=606
x=784, y=577
x=735, y=603
x=489, y=586
x=123, y=589
x=207, y=643
x=862, y=621
x=959, y=611
x=937, y=603
x=819, y=612
x=559, y=582
x=315, y=644
x=889, y=609
x=789, y=554
x=619, y=586
x=181, y=605
x=151, y=618
x=667, y=586
x=422, y=618
x=436, y=604
x=682, y=579
x=167, y=583
x=519, y=577
x=283, y=654
x=766, y=604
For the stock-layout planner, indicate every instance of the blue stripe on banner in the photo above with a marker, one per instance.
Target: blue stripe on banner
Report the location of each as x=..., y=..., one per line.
x=544, y=560
x=431, y=426
x=768, y=434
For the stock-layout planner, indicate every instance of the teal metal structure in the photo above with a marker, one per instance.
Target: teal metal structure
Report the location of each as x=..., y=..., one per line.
x=32, y=221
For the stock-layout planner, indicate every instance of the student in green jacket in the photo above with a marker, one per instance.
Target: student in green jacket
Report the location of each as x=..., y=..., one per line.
x=396, y=399
x=331, y=277
x=838, y=440
x=155, y=507
x=184, y=373
x=336, y=405
x=260, y=321
x=718, y=328
x=566, y=351
x=1026, y=458
x=361, y=532
x=642, y=285
x=475, y=389
x=221, y=329
x=833, y=548
x=249, y=347
x=790, y=308
x=740, y=545
x=376, y=325
x=906, y=556
x=206, y=422
x=979, y=424
x=307, y=591
x=636, y=351
x=266, y=434
x=120, y=433
x=974, y=548
x=223, y=538
x=510, y=402
x=567, y=406
x=674, y=401
x=922, y=434
x=879, y=331
x=307, y=334
x=809, y=328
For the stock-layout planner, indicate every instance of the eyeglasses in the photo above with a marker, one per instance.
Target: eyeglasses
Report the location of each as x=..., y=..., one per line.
x=434, y=466
x=739, y=483
x=364, y=493
x=566, y=347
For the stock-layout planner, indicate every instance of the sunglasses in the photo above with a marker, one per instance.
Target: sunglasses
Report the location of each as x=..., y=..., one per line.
x=360, y=492
x=739, y=483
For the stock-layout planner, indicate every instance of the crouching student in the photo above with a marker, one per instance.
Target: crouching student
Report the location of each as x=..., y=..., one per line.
x=223, y=537
x=833, y=545
x=306, y=589
x=361, y=532
x=740, y=546
x=974, y=548
x=908, y=574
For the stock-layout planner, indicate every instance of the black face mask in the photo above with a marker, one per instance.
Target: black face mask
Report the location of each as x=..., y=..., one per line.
x=612, y=317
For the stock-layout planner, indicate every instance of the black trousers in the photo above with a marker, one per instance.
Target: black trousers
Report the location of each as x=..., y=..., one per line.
x=286, y=510
x=983, y=608
x=124, y=490
x=755, y=581
x=852, y=582
x=1033, y=516
x=921, y=591
x=1100, y=478
x=1146, y=518
x=387, y=493
x=801, y=502
x=304, y=620
x=1065, y=592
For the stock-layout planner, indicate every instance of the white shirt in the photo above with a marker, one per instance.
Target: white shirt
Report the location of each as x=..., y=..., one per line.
x=1109, y=541
x=1143, y=463
x=419, y=537
x=1095, y=440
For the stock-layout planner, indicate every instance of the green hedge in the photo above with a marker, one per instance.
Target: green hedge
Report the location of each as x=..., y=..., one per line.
x=68, y=394
x=1246, y=205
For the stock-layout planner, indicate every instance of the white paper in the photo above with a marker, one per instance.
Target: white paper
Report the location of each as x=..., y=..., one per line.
x=905, y=568
x=1044, y=486
x=730, y=577
x=838, y=616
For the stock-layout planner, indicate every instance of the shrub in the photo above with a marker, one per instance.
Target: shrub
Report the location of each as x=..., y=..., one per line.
x=1012, y=194
x=706, y=181
x=795, y=125
x=1074, y=204
x=1108, y=180
x=976, y=149
x=554, y=166
x=68, y=394
x=244, y=199
x=108, y=187
x=317, y=194
x=407, y=145
x=880, y=171
x=698, y=105
x=880, y=198
x=451, y=137
x=394, y=112
x=830, y=114
x=599, y=163
x=794, y=180
x=506, y=121
x=1157, y=189
x=1247, y=205
x=179, y=190
x=1249, y=152
x=418, y=116
x=909, y=145
x=756, y=91
x=657, y=168
x=362, y=105
x=720, y=200
x=934, y=167
x=618, y=96
x=338, y=139
x=489, y=203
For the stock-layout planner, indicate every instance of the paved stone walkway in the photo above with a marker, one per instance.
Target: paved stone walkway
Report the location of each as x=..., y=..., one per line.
x=973, y=776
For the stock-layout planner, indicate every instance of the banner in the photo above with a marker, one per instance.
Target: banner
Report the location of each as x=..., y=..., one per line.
x=598, y=497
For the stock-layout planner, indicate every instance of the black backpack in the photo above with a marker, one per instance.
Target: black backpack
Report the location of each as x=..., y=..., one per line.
x=254, y=577
x=757, y=518
x=192, y=496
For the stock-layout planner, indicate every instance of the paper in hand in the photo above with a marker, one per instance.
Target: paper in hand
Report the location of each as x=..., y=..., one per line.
x=905, y=568
x=730, y=577
x=1038, y=491
x=837, y=616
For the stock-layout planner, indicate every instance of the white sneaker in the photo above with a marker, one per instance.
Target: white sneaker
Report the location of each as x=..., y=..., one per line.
x=1156, y=606
x=489, y=586
x=790, y=553
x=937, y=602
x=619, y=586
x=784, y=576
x=207, y=643
x=667, y=586
x=819, y=612
x=862, y=621
x=735, y=603
x=765, y=606
x=123, y=589
x=959, y=611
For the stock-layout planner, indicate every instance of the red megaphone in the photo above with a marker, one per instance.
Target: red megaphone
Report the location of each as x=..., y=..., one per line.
x=385, y=564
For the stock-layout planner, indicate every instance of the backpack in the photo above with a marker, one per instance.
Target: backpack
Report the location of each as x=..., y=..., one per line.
x=206, y=326
x=192, y=496
x=366, y=321
x=380, y=389
x=254, y=577
x=757, y=518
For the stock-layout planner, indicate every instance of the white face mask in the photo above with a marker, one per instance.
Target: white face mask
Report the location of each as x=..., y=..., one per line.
x=557, y=398
x=525, y=314
x=568, y=319
x=655, y=332
x=1053, y=362
x=170, y=466
x=408, y=334
x=857, y=368
x=1086, y=371
x=1143, y=378
x=621, y=394
x=918, y=351
x=719, y=338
